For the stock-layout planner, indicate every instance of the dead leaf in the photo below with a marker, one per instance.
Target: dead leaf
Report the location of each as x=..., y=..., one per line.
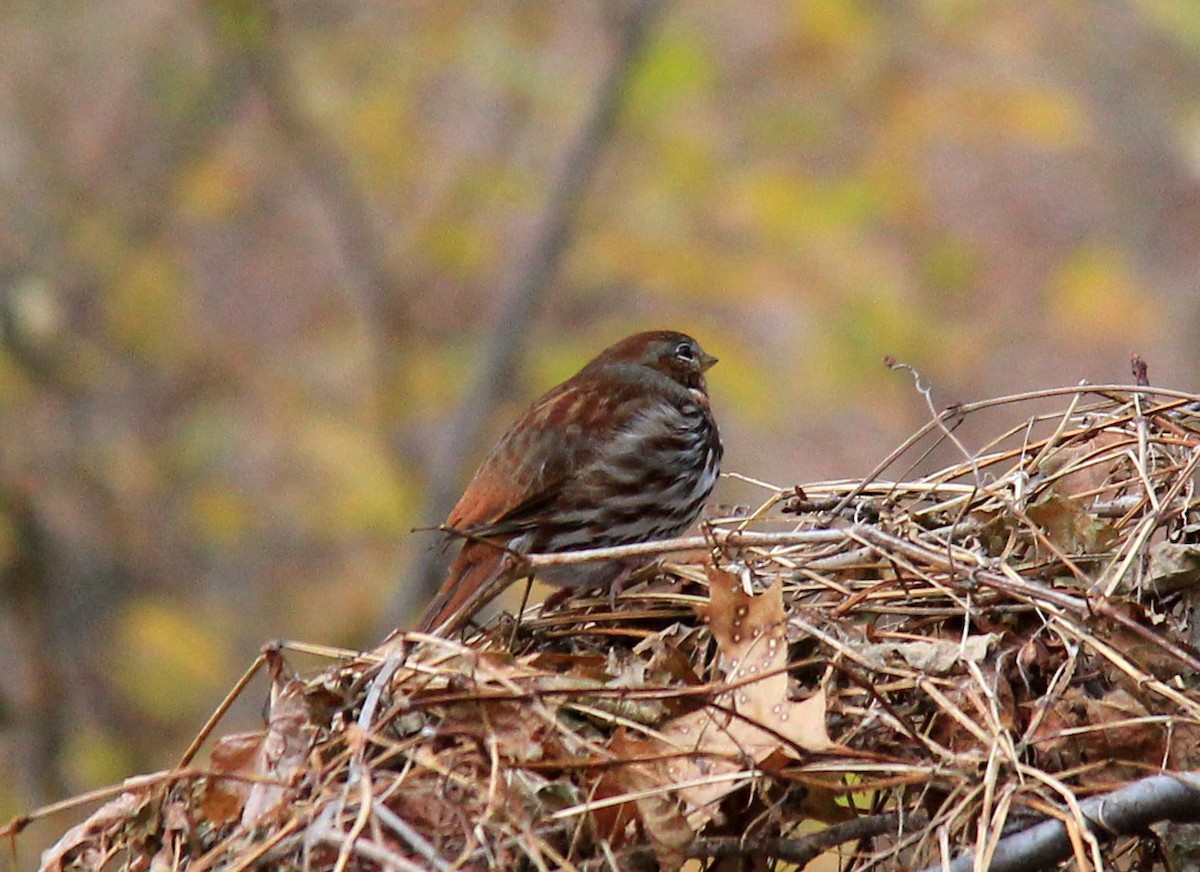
x=1123, y=735
x=280, y=756
x=740, y=727
x=1173, y=566
x=663, y=821
x=222, y=800
x=116, y=812
x=1069, y=525
x=932, y=656
x=1089, y=470
x=1184, y=753
x=1079, y=730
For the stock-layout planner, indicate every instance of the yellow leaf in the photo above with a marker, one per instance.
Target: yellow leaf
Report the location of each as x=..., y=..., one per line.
x=213, y=188
x=1096, y=295
x=168, y=662
x=1042, y=116
x=835, y=23
x=359, y=486
x=97, y=758
x=676, y=66
x=221, y=514
x=146, y=309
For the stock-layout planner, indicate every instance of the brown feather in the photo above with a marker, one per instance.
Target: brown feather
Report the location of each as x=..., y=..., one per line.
x=478, y=568
x=566, y=474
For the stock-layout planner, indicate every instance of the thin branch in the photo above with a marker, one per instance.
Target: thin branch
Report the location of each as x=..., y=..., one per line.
x=360, y=246
x=518, y=300
x=1123, y=812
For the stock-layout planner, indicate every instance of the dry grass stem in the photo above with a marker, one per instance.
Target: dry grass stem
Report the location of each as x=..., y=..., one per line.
x=933, y=668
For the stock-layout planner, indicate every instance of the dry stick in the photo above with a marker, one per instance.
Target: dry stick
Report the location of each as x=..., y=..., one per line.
x=519, y=297
x=405, y=831
x=1139, y=676
x=18, y=823
x=1008, y=581
x=216, y=716
x=1056, y=436
x=1128, y=810
x=927, y=392
x=514, y=693
x=252, y=857
x=130, y=786
x=642, y=549
x=1184, y=476
x=967, y=408
x=365, y=802
x=801, y=850
x=1075, y=822
x=731, y=538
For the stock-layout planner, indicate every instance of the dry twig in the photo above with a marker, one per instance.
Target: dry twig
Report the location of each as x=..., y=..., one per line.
x=948, y=665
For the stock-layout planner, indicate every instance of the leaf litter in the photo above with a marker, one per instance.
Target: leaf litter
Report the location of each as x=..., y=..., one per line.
x=901, y=670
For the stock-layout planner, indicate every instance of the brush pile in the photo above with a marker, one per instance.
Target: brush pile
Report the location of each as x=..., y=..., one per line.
x=995, y=662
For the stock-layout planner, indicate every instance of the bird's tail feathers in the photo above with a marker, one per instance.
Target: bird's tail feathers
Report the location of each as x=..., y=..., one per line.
x=475, y=578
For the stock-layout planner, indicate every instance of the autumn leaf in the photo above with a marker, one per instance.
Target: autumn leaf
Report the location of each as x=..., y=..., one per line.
x=736, y=730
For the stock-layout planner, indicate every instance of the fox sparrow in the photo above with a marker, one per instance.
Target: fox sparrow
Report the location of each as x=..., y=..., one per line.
x=624, y=451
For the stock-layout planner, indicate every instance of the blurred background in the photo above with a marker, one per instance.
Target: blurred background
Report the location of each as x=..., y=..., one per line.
x=272, y=276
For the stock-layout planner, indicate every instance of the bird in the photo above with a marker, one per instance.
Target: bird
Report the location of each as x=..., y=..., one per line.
x=625, y=451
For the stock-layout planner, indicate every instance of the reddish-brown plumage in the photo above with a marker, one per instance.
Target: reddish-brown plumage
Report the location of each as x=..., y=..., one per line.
x=624, y=451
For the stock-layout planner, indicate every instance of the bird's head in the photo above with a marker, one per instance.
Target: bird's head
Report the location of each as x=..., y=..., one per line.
x=673, y=354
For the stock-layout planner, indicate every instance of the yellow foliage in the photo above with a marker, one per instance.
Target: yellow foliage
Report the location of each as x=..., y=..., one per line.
x=1042, y=115
x=360, y=489
x=167, y=661
x=785, y=206
x=380, y=133
x=457, y=247
x=948, y=267
x=1177, y=19
x=435, y=377
x=1096, y=295
x=836, y=23
x=1035, y=113
x=240, y=24
x=677, y=65
x=212, y=188
x=558, y=359
x=740, y=385
x=145, y=307
x=221, y=515
x=98, y=758
x=672, y=266
x=841, y=44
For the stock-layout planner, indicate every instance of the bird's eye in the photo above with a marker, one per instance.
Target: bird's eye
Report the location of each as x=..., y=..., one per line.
x=685, y=352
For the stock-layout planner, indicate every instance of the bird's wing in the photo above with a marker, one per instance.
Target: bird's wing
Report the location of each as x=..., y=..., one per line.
x=558, y=436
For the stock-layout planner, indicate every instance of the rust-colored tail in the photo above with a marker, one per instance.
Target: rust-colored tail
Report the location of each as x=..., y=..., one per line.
x=477, y=576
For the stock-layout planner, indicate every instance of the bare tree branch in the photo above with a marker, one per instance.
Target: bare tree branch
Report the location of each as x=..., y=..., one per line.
x=805, y=849
x=360, y=246
x=519, y=297
x=1122, y=812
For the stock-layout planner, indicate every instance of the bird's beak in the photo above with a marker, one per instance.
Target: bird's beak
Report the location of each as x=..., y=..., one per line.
x=706, y=361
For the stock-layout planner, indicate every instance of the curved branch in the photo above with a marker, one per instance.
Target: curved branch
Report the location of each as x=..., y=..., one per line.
x=518, y=299
x=1125, y=811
